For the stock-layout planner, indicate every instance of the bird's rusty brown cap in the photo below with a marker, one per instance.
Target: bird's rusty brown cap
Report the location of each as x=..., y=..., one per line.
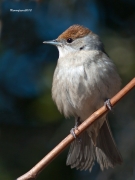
x=75, y=31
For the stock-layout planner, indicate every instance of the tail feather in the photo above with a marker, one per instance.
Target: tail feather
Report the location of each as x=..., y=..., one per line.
x=106, y=150
x=83, y=154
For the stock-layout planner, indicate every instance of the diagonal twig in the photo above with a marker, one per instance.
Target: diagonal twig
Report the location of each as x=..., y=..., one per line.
x=33, y=173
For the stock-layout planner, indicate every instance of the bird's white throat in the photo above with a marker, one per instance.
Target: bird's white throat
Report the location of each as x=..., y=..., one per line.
x=64, y=50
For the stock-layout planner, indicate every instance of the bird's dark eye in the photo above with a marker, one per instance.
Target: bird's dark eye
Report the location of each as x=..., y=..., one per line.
x=69, y=40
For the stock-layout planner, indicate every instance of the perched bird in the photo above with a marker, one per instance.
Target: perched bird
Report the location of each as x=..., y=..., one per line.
x=84, y=78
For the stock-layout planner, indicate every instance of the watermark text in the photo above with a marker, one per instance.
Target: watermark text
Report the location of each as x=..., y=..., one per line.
x=20, y=10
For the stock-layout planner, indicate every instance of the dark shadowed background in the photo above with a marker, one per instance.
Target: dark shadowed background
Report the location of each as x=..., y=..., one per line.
x=30, y=124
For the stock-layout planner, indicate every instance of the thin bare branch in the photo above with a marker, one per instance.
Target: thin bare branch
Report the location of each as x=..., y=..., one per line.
x=33, y=173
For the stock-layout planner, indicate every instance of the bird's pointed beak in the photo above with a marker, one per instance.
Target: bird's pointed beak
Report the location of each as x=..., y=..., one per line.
x=53, y=42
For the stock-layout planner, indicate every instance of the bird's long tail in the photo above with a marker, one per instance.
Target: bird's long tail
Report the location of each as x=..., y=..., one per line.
x=82, y=154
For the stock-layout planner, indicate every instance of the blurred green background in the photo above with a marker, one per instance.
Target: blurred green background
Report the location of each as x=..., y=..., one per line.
x=30, y=124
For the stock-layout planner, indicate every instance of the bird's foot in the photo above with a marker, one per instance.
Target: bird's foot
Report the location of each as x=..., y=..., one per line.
x=72, y=131
x=108, y=104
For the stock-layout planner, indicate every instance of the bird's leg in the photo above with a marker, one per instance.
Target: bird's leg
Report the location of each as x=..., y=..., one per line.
x=77, y=123
x=107, y=103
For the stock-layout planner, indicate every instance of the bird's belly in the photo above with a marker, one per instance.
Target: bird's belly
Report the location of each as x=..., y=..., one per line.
x=73, y=95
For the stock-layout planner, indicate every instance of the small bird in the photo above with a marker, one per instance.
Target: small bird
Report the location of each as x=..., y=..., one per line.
x=84, y=78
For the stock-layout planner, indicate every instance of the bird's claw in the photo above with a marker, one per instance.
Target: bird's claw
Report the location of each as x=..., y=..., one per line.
x=72, y=131
x=108, y=104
